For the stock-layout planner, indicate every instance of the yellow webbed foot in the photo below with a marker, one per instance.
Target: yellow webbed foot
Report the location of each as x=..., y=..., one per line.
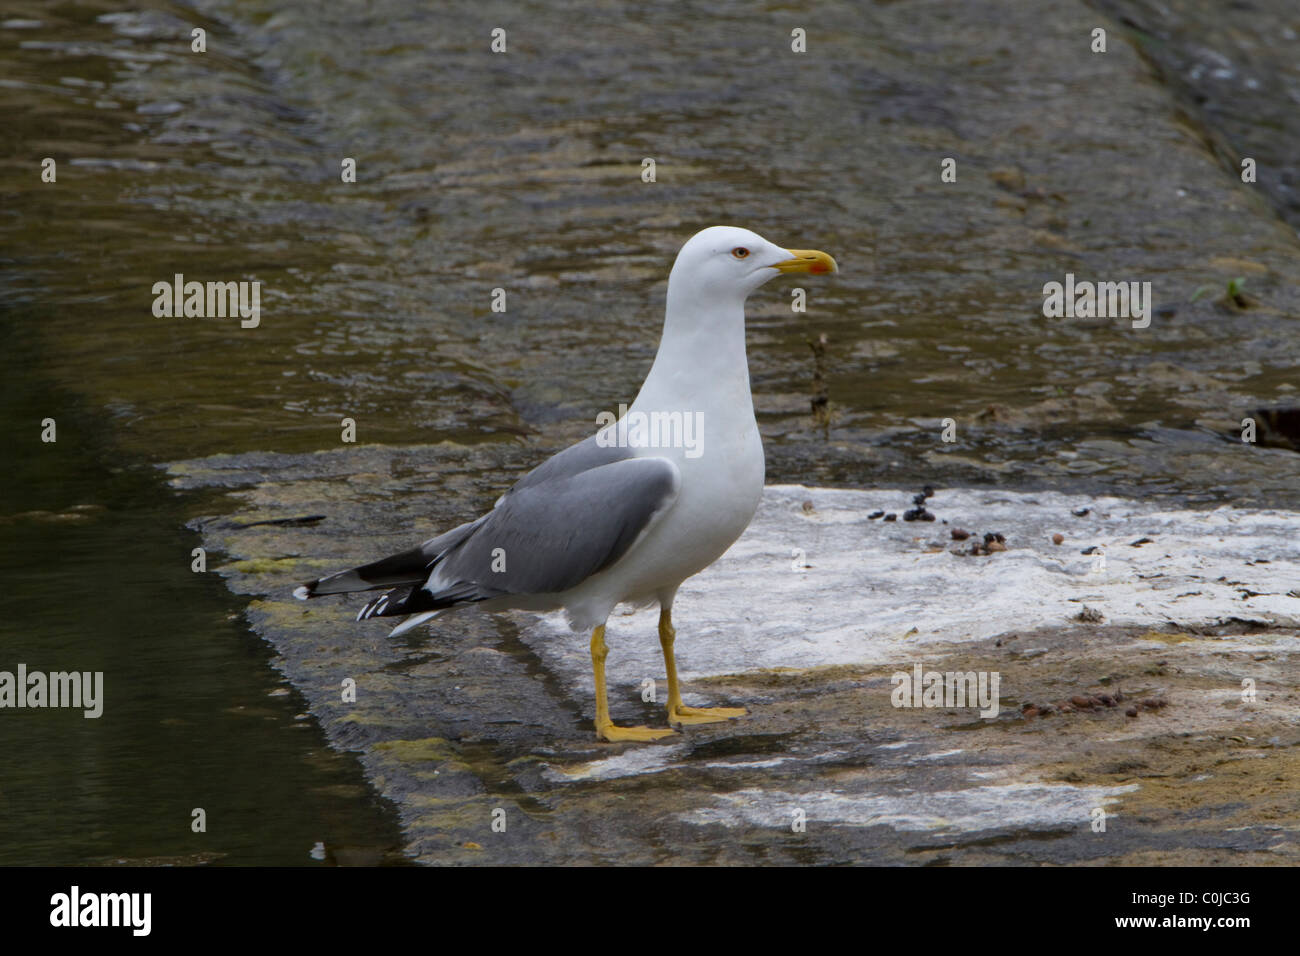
x=681, y=714
x=617, y=734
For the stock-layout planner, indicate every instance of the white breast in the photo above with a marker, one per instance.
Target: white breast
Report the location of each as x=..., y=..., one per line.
x=720, y=491
x=701, y=375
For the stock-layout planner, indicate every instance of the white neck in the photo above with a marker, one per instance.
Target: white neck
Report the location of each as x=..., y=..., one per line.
x=701, y=363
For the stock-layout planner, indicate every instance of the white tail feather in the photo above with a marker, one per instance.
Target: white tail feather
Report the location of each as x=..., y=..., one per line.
x=415, y=620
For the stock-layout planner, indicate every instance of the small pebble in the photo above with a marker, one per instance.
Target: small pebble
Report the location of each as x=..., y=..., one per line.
x=928, y=491
x=1131, y=712
x=891, y=517
x=1080, y=512
x=995, y=546
x=1030, y=712
x=874, y=515
x=808, y=506
x=1058, y=538
x=1078, y=700
x=960, y=534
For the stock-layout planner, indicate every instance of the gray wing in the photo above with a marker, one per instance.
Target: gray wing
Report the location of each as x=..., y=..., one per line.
x=574, y=460
x=569, y=518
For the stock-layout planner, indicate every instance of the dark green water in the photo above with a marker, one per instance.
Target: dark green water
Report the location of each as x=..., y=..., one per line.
x=96, y=565
x=523, y=172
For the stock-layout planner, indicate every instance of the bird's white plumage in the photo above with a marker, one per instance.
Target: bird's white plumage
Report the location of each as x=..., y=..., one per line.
x=624, y=516
x=701, y=367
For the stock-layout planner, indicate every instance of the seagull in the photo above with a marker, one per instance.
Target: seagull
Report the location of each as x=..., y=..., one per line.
x=625, y=516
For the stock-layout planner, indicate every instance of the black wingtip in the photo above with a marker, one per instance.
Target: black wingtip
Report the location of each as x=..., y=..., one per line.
x=375, y=608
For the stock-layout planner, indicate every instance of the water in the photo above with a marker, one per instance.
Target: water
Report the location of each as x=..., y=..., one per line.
x=522, y=172
x=96, y=565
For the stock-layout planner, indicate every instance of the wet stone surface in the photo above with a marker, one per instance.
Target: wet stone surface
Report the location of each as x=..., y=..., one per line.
x=523, y=173
x=476, y=714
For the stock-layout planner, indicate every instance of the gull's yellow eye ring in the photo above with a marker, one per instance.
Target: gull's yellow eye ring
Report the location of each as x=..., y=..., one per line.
x=740, y=252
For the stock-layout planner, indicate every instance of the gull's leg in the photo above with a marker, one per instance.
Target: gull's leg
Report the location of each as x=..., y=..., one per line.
x=605, y=728
x=679, y=713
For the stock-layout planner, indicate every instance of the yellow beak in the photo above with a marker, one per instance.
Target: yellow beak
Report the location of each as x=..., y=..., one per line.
x=807, y=260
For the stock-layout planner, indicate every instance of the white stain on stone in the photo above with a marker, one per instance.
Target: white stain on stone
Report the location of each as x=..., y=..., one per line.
x=877, y=592
x=633, y=762
x=1013, y=806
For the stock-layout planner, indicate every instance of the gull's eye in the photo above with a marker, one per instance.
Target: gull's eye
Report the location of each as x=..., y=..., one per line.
x=740, y=252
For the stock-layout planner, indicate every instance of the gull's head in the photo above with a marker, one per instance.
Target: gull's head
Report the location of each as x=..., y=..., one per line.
x=725, y=264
